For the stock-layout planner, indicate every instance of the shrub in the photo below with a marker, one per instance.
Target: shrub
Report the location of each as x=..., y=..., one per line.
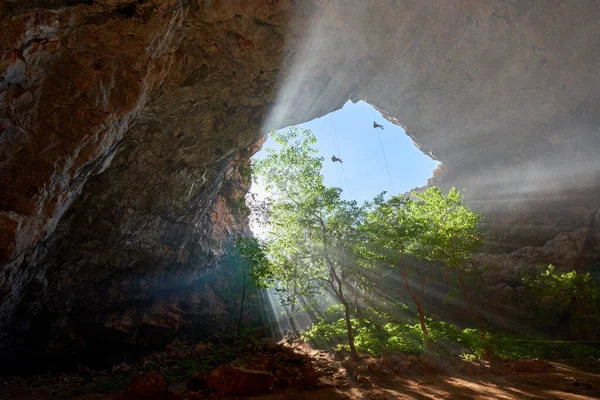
x=376, y=337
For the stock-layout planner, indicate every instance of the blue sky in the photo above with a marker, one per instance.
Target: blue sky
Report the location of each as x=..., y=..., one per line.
x=349, y=134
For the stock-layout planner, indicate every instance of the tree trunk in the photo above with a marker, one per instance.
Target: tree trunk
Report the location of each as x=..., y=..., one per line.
x=465, y=291
x=422, y=319
x=418, y=302
x=339, y=292
x=587, y=315
x=486, y=347
x=353, y=352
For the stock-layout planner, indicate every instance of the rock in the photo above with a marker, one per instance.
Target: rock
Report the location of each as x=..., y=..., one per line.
x=364, y=382
x=197, y=382
x=121, y=368
x=202, y=349
x=120, y=167
x=237, y=380
x=446, y=366
x=416, y=369
x=151, y=386
x=402, y=366
x=373, y=366
x=428, y=363
x=391, y=360
x=413, y=358
x=173, y=396
x=535, y=365
x=340, y=355
x=263, y=363
x=470, y=369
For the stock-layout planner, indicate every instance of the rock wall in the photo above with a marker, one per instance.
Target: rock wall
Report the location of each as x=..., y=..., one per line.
x=125, y=124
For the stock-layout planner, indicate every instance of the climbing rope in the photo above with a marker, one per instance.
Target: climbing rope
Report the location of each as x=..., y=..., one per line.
x=386, y=163
x=337, y=149
x=383, y=152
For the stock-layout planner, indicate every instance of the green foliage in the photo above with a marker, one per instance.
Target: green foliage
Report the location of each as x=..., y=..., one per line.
x=314, y=235
x=255, y=263
x=448, y=230
x=108, y=384
x=568, y=293
x=246, y=171
x=517, y=347
x=431, y=226
x=244, y=264
x=552, y=288
x=375, y=337
x=239, y=207
x=313, y=232
x=178, y=370
x=319, y=242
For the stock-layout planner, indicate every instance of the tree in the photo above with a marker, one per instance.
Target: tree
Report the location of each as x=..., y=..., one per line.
x=250, y=266
x=313, y=234
x=393, y=235
x=577, y=295
x=449, y=234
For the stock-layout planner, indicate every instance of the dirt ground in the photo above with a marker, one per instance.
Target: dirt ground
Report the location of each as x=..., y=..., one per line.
x=557, y=381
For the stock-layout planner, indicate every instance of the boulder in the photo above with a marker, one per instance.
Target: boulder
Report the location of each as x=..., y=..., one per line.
x=536, y=365
x=236, y=380
x=262, y=363
x=402, y=366
x=151, y=386
x=340, y=355
x=374, y=367
x=197, y=382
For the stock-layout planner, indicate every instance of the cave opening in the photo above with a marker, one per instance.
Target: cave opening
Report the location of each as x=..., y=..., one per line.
x=373, y=159
x=375, y=156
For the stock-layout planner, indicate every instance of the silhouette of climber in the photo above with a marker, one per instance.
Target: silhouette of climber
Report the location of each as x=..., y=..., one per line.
x=334, y=159
x=376, y=125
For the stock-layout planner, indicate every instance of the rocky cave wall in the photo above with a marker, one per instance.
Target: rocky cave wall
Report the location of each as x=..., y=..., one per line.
x=125, y=126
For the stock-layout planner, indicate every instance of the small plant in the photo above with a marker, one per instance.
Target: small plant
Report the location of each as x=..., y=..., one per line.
x=239, y=207
x=245, y=170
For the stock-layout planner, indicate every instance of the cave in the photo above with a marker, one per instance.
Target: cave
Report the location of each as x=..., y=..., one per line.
x=126, y=125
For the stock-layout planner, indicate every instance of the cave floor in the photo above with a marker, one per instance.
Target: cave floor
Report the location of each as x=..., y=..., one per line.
x=341, y=380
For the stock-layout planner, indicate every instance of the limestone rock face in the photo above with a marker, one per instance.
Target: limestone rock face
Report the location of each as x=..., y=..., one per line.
x=126, y=126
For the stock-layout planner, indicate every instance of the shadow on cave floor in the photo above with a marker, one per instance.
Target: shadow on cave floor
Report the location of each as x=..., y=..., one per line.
x=399, y=376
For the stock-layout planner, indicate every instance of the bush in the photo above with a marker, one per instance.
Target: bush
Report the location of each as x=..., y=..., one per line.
x=375, y=336
x=518, y=347
x=567, y=298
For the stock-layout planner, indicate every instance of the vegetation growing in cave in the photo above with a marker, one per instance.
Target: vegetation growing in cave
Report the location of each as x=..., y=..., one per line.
x=319, y=245
x=315, y=237
x=567, y=296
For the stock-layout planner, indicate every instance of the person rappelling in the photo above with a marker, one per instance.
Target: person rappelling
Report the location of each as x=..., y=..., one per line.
x=335, y=159
x=376, y=125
